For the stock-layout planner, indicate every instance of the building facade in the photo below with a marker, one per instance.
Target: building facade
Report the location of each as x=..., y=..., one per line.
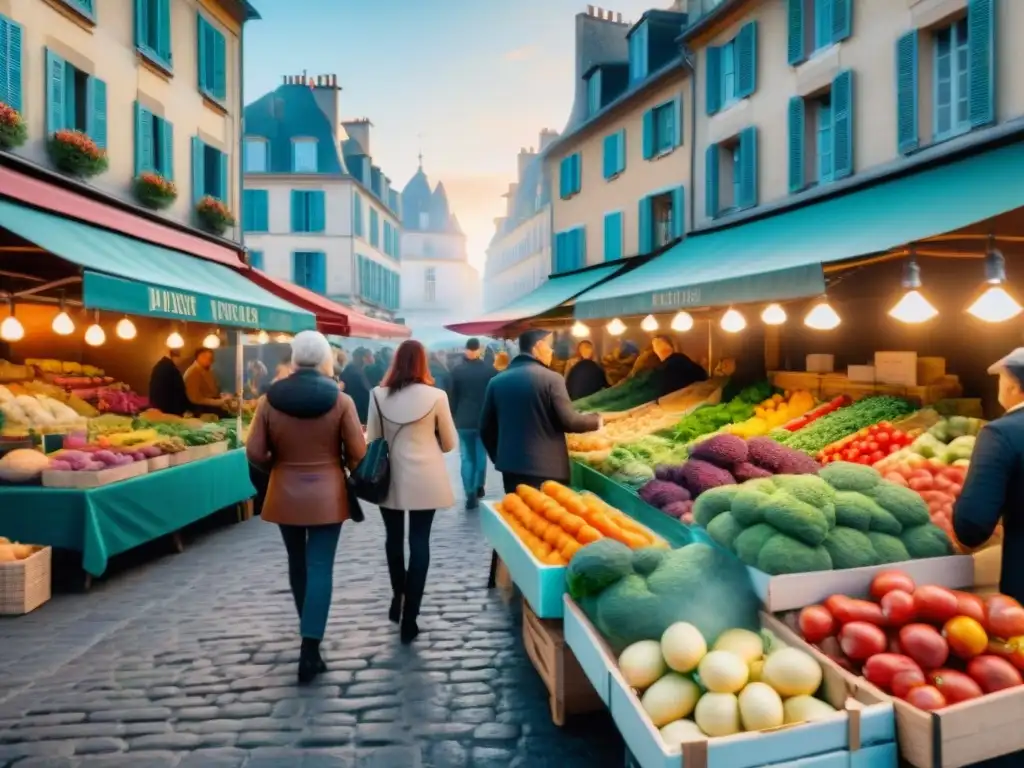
x=622, y=166
x=155, y=84
x=317, y=210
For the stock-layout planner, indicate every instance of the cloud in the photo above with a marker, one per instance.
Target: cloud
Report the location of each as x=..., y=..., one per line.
x=522, y=53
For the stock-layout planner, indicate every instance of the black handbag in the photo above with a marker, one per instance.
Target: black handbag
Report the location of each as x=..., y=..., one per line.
x=371, y=480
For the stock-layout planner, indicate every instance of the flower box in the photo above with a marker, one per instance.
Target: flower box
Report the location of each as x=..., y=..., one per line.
x=74, y=153
x=214, y=215
x=154, y=191
x=13, y=132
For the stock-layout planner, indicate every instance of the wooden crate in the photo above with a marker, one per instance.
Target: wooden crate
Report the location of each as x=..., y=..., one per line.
x=25, y=584
x=55, y=478
x=568, y=687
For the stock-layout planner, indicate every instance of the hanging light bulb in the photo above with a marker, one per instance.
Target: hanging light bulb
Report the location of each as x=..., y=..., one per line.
x=995, y=305
x=580, y=330
x=616, y=327
x=95, y=336
x=175, y=341
x=283, y=338
x=262, y=337
x=212, y=341
x=682, y=322
x=913, y=307
x=822, y=317
x=733, y=321
x=125, y=329
x=62, y=324
x=649, y=324
x=773, y=314
x=11, y=328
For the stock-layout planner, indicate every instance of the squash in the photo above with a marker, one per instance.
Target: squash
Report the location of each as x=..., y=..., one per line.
x=805, y=709
x=760, y=707
x=792, y=672
x=671, y=698
x=718, y=714
x=681, y=731
x=642, y=664
x=22, y=465
x=723, y=672
x=683, y=646
x=748, y=645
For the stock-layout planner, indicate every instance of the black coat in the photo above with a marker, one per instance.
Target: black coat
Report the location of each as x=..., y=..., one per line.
x=585, y=378
x=676, y=372
x=358, y=388
x=466, y=392
x=167, y=388
x=526, y=415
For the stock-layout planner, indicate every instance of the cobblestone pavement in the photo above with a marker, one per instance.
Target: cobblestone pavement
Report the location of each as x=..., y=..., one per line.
x=190, y=661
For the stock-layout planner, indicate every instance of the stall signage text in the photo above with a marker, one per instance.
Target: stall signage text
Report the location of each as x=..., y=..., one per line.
x=684, y=297
x=236, y=314
x=172, y=302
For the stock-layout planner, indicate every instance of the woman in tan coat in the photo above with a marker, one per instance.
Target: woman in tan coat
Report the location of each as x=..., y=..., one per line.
x=416, y=420
x=306, y=432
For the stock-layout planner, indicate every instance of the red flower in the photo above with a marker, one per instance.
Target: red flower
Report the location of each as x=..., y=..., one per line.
x=159, y=183
x=9, y=116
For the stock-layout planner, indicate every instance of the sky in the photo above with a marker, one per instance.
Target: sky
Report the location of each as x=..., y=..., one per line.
x=468, y=82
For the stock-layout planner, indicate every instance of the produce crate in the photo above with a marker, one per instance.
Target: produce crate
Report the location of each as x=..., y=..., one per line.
x=988, y=566
x=958, y=735
x=216, y=449
x=877, y=756
x=589, y=648
x=25, y=584
x=795, y=590
x=568, y=687
x=182, y=457
x=56, y=478
x=159, y=462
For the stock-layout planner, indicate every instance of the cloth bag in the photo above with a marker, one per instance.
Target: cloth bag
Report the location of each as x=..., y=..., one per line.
x=371, y=480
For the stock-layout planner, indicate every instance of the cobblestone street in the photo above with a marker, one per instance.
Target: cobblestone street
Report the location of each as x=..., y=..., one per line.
x=189, y=660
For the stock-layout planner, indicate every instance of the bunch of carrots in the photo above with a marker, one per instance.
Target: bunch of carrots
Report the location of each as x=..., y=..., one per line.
x=555, y=522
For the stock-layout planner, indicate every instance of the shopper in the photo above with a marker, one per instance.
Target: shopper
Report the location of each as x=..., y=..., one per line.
x=469, y=382
x=439, y=370
x=357, y=386
x=201, y=385
x=167, y=386
x=340, y=361
x=675, y=371
x=414, y=417
x=306, y=432
x=377, y=370
x=583, y=374
x=526, y=415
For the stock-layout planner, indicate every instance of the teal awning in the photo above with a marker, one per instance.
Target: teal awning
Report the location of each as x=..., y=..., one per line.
x=137, y=278
x=553, y=293
x=780, y=258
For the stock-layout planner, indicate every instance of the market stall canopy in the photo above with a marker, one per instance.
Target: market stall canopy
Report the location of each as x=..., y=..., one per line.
x=364, y=327
x=781, y=257
x=122, y=274
x=553, y=293
x=331, y=318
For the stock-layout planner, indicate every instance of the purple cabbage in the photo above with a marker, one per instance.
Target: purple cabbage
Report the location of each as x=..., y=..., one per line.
x=722, y=450
x=660, y=493
x=778, y=459
x=677, y=509
x=746, y=471
x=702, y=476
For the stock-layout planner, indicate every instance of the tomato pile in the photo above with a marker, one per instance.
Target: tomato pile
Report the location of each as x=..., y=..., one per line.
x=867, y=446
x=928, y=645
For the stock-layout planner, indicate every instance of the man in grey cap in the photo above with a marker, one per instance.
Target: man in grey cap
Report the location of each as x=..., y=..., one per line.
x=994, y=488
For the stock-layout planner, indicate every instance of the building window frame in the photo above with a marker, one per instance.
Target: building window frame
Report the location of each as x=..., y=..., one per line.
x=951, y=116
x=256, y=147
x=301, y=147
x=212, y=60
x=153, y=31
x=430, y=285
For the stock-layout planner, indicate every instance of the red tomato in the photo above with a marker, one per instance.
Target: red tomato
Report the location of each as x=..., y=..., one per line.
x=955, y=475
x=924, y=644
x=935, y=604
x=882, y=438
x=1005, y=616
x=896, y=477
x=865, y=460
x=920, y=484
x=860, y=640
x=816, y=623
x=876, y=456
x=993, y=674
x=926, y=697
x=894, y=447
x=835, y=604
x=886, y=581
x=905, y=680
x=863, y=432
x=874, y=428
x=851, y=454
x=859, y=610
x=881, y=668
x=942, y=483
x=871, y=445
x=954, y=686
x=965, y=636
x=955, y=489
x=1012, y=650
x=970, y=605
x=898, y=608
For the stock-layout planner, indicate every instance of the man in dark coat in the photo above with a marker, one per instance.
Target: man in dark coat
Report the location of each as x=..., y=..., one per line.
x=526, y=416
x=357, y=386
x=466, y=390
x=584, y=376
x=994, y=488
x=167, y=385
x=378, y=369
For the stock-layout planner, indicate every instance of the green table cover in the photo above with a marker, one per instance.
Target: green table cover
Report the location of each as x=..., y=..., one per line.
x=103, y=522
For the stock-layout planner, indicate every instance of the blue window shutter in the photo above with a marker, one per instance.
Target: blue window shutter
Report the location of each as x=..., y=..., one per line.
x=163, y=30
x=842, y=124
x=609, y=155
x=204, y=52
x=198, y=170
x=678, y=211
x=141, y=22
x=563, y=178
x=223, y=190
x=256, y=259
x=711, y=181
x=165, y=133
x=644, y=232
x=677, y=121
x=842, y=20
x=577, y=172
x=620, y=146
x=713, y=81
x=906, y=93
x=746, y=60
x=648, y=139
x=558, y=251
x=220, y=65
x=613, y=236
x=143, y=139
x=299, y=268
x=357, y=214
x=298, y=211
x=320, y=272
x=96, y=111
x=10, y=63
x=263, y=211
x=795, y=47
x=248, y=210
x=981, y=45
x=797, y=128
x=56, y=77
x=748, y=168
x=317, y=212
x=581, y=248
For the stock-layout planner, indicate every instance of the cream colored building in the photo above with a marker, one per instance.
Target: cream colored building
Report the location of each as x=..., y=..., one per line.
x=165, y=99
x=621, y=168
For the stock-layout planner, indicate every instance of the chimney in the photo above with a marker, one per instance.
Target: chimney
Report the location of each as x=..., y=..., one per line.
x=326, y=94
x=599, y=40
x=360, y=131
x=547, y=138
x=525, y=156
x=510, y=200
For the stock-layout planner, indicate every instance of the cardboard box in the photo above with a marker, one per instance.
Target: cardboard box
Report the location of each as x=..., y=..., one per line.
x=896, y=368
x=930, y=370
x=861, y=374
x=821, y=363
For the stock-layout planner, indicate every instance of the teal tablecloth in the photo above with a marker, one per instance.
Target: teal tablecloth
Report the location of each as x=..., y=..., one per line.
x=103, y=522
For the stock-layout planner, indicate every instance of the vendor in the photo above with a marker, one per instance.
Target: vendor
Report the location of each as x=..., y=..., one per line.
x=202, y=387
x=166, y=385
x=675, y=370
x=583, y=374
x=994, y=487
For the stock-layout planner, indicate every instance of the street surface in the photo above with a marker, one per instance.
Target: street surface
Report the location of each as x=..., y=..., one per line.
x=189, y=660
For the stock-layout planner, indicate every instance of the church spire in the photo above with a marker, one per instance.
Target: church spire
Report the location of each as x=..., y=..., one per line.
x=419, y=136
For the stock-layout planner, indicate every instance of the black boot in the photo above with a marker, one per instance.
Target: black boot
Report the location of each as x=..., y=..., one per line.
x=410, y=630
x=480, y=492
x=395, y=612
x=311, y=663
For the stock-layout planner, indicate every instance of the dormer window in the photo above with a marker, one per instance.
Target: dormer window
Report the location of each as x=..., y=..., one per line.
x=638, y=52
x=594, y=93
x=304, y=156
x=424, y=220
x=256, y=155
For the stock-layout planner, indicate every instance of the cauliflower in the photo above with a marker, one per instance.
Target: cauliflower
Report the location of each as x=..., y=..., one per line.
x=905, y=505
x=778, y=459
x=748, y=544
x=807, y=488
x=700, y=476
x=855, y=510
x=889, y=548
x=724, y=529
x=722, y=450
x=746, y=507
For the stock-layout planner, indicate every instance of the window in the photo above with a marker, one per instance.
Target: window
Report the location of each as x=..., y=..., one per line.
x=815, y=25
x=10, y=64
x=731, y=174
x=430, y=284
x=75, y=100
x=84, y=7
x=209, y=171
x=731, y=70
x=213, y=60
x=424, y=218
x=737, y=183
x=952, y=84
x=308, y=211
x=255, y=210
x=374, y=228
x=729, y=73
x=614, y=159
x=257, y=155
x=821, y=130
x=154, y=144
x=594, y=93
x=661, y=219
x=304, y=158
x=569, y=181
x=153, y=30
x=638, y=52
x=570, y=250
x=613, y=236
x=664, y=127
x=822, y=10
x=357, y=214
x=309, y=269
x=387, y=237
x=256, y=259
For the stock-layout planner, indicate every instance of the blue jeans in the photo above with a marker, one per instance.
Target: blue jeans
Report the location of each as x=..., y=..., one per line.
x=474, y=461
x=311, y=573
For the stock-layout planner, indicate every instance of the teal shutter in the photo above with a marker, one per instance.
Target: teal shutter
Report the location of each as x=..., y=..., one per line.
x=842, y=124
x=678, y=211
x=357, y=214
x=713, y=81
x=96, y=111
x=748, y=168
x=10, y=63
x=143, y=139
x=609, y=155
x=906, y=93
x=298, y=211
x=220, y=65
x=678, y=121
x=795, y=48
x=56, y=74
x=746, y=60
x=223, y=189
x=577, y=172
x=256, y=259
x=842, y=20
x=981, y=44
x=319, y=272
x=620, y=146
x=165, y=134
x=198, y=170
x=648, y=138
x=711, y=181
x=644, y=228
x=163, y=30
x=317, y=212
x=581, y=248
x=563, y=178
x=141, y=22
x=613, y=236
x=299, y=268
x=204, y=52
x=797, y=133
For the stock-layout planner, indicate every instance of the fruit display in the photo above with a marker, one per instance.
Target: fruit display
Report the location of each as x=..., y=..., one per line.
x=23, y=465
x=618, y=363
x=36, y=413
x=816, y=413
x=711, y=418
x=773, y=412
x=49, y=367
x=555, y=522
x=846, y=421
x=869, y=445
x=925, y=644
x=948, y=441
x=37, y=387
x=628, y=393
x=11, y=551
x=847, y=516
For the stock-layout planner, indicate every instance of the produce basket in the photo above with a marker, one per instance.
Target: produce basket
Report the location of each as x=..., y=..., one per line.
x=25, y=584
x=182, y=457
x=56, y=478
x=216, y=449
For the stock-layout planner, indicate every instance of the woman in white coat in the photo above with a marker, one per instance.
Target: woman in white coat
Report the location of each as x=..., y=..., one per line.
x=416, y=420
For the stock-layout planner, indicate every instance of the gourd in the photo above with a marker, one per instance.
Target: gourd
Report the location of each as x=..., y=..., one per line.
x=676, y=733
x=723, y=672
x=22, y=465
x=792, y=672
x=804, y=709
x=748, y=645
x=642, y=665
x=718, y=714
x=673, y=697
x=683, y=646
x=760, y=707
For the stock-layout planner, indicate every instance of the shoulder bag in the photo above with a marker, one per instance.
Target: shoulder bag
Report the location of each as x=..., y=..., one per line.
x=371, y=480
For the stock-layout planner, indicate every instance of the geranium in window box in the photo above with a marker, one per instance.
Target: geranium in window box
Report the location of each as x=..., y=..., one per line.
x=76, y=154
x=154, y=191
x=13, y=132
x=214, y=215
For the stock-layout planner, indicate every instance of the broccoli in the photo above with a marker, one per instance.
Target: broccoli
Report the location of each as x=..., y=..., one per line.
x=795, y=518
x=809, y=489
x=846, y=476
x=855, y=510
x=902, y=503
x=850, y=548
x=889, y=548
x=749, y=543
x=926, y=540
x=647, y=559
x=712, y=503
x=746, y=505
x=782, y=554
x=722, y=450
x=597, y=565
x=724, y=529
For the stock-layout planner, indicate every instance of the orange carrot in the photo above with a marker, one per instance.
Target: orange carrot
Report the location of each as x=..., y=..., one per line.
x=571, y=523
x=588, y=535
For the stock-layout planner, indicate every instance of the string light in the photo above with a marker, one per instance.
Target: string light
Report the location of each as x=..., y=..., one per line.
x=11, y=328
x=212, y=341
x=649, y=324
x=616, y=327
x=125, y=329
x=682, y=322
x=822, y=317
x=913, y=307
x=62, y=324
x=95, y=336
x=773, y=314
x=995, y=305
x=175, y=341
x=580, y=330
x=282, y=338
x=262, y=337
x=733, y=321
